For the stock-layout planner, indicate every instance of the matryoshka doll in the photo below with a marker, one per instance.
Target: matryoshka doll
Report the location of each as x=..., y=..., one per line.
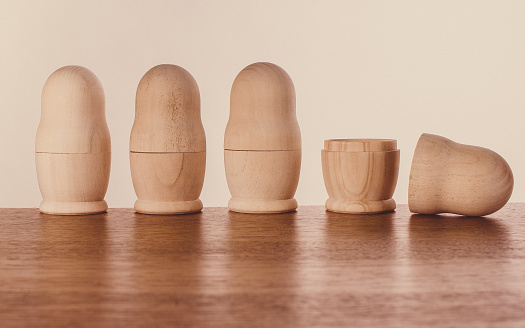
x=73, y=145
x=262, y=142
x=168, y=143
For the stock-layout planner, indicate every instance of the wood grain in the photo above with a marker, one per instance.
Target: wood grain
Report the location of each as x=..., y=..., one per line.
x=262, y=141
x=168, y=183
x=360, y=175
x=73, y=145
x=449, y=177
x=167, y=112
x=360, y=145
x=73, y=115
x=217, y=268
x=262, y=110
x=262, y=181
x=73, y=184
x=167, y=143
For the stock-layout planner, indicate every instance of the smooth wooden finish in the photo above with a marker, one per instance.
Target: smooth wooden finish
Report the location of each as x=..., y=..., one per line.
x=73, y=114
x=448, y=177
x=309, y=268
x=167, y=143
x=168, y=183
x=360, y=144
x=73, y=184
x=262, y=121
x=73, y=146
x=167, y=113
x=262, y=181
x=360, y=175
x=262, y=110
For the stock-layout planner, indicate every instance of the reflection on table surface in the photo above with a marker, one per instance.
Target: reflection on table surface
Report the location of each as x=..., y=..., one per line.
x=220, y=268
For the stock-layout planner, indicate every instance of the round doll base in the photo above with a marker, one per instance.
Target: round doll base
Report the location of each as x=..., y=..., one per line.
x=73, y=208
x=167, y=208
x=261, y=206
x=360, y=207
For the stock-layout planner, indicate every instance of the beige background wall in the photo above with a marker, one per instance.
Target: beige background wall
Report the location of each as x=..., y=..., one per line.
x=382, y=69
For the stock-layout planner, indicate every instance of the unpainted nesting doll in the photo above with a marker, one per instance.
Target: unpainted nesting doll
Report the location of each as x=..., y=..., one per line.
x=262, y=143
x=73, y=145
x=168, y=143
x=449, y=177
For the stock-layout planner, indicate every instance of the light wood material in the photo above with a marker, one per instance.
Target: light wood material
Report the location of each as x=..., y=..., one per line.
x=73, y=184
x=167, y=112
x=262, y=181
x=73, y=146
x=73, y=116
x=360, y=145
x=309, y=268
x=167, y=143
x=263, y=122
x=360, y=175
x=262, y=110
x=168, y=183
x=448, y=177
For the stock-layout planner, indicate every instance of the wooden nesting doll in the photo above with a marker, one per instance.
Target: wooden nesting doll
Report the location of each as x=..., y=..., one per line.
x=262, y=143
x=449, y=177
x=167, y=144
x=73, y=145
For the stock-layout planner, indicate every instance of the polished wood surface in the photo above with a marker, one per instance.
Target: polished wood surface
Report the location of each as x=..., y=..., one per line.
x=308, y=268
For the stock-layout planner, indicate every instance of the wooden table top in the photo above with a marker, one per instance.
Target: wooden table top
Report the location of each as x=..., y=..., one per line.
x=309, y=268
